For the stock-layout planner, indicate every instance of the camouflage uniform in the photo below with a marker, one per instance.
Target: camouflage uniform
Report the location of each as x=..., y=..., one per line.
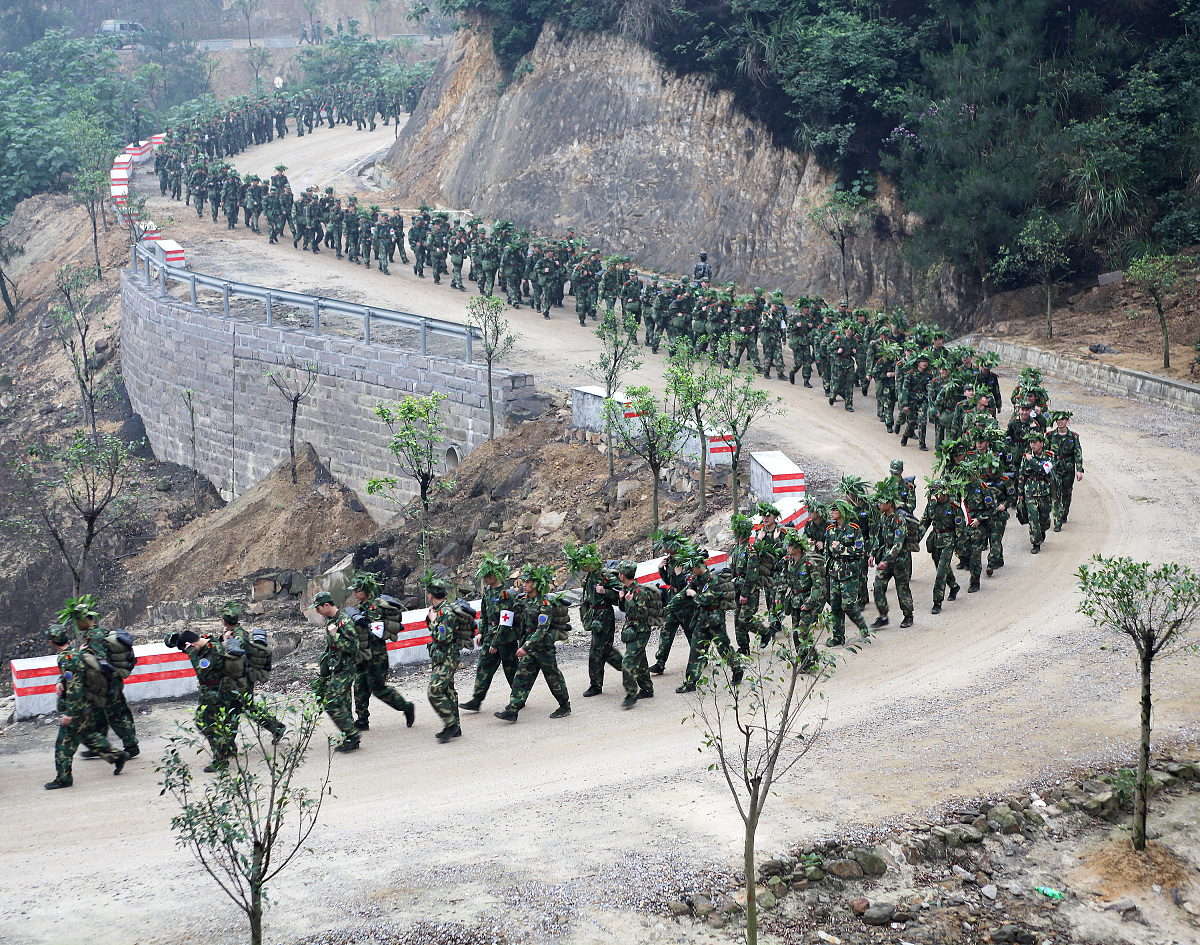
x=117, y=713
x=678, y=613
x=744, y=566
x=1036, y=476
x=635, y=671
x=537, y=640
x=845, y=577
x=370, y=677
x=216, y=714
x=945, y=519
x=338, y=665
x=443, y=658
x=893, y=563
x=596, y=614
x=495, y=635
x=86, y=719
x=708, y=628
x=1068, y=460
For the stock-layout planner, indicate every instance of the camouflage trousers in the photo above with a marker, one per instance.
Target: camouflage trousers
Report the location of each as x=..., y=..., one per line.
x=914, y=421
x=118, y=715
x=843, y=382
x=528, y=666
x=84, y=728
x=748, y=345
x=1061, y=506
x=742, y=621
x=585, y=303
x=370, y=679
x=419, y=259
x=899, y=571
x=217, y=719
x=602, y=652
x=338, y=701
x=487, y=283
x=801, y=358
x=442, y=695
x=1037, y=507
x=885, y=401
x=708, y=631
x=505, y=656
x=996, y=525
x=380, y=248
x=772, y=352
x=635, y=670
x=666, y=637
x=974, y=542
x=456, y=272
x=843, y=602
x=943, y=560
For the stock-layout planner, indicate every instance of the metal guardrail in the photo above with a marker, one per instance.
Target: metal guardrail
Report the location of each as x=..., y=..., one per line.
x=423, y=326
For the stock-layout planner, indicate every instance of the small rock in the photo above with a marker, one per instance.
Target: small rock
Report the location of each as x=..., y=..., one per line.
x=102, y=345
x=704, y=906
x=5, y=381
x=716, y=921
x=900, y=916
x=814, y=874
x=872, y=863
x=859, y=906
x=880, y=913
x=265, y=588
x=1122, y=906
x=1190, y=908
x=255, y=609
x=678, y=907
x=990, y=891
x=163, y=484
x=766, y=899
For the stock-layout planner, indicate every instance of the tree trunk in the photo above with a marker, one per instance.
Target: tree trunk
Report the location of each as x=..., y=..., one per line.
x=292, y=437
x=703, y=465
x=748, y=865
x=845, y=279
x=249, y=38
x=95, y=248
x=1049, y=313
x=491, y=404
x=655, y=470
x=1162, y=323
x=256, y=910
x=1139, y=798
x=8, y=302
x=608, y=393
x=736, y=488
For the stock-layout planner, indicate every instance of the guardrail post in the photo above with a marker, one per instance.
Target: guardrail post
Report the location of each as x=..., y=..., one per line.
x=424, y=350
x=270, y=311
x=133, y=251
x=470, y=338
x=162, y=279
x=225, y=294
x=367, y=326
x=316, y=316
x=192, y=280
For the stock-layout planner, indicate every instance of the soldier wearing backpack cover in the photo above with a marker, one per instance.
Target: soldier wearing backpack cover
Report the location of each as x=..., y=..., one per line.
x=338, y=665
x=535, y=652
x=81, y=612
x=370, y=677
x=257, y=665
x=443, y=659
x=895, y=539
x=81, y=716
x=220, y=671
x=596, y=613
x=643, y=611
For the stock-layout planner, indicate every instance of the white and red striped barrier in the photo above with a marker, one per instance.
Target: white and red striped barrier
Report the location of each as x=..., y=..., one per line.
x=161, y=672
x=171, y=252
x=773, y=476
x=140, y=151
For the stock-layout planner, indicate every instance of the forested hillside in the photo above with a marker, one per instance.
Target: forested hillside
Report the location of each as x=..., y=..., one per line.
x=1007, y=125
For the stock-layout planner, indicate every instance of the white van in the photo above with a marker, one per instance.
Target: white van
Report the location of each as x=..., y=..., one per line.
x=123, y=32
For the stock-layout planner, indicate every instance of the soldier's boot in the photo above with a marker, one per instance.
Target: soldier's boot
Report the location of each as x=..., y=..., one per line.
x=508, y=715
x=629, y=702
x=474, y=705
x=447, y=733
x=953, y=595
x=348, y=744
x=792, y=376
x=907, y=621
x=880, y=621
x=561, y=712
x=937, y=607
x=657, y=669
x=119, y=762
x=56, y=784
x=592, y=691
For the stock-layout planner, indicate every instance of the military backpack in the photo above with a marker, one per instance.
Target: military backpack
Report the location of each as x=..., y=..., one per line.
x=560, y=618
x=464, y=624
x=97, y=679
x=235, y=668
x=258, y=656
x=726, y=590
x=654, y=606
x=119, y=644
x=912, y=530
x=393, y=617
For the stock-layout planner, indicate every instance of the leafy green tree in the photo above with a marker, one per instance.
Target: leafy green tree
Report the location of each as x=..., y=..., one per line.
x=259, y=58
x=740, y=405
x=247, y=8
x=652, y=432
x=418, y=430
x=692, y=383
x=485, y=315
x=1158, y=276
x=1157, y=608
x=249, y=822
x=93, y=148
x=1039, y=249
x=74, y=322
x=754, y=727
x=839, y=218
x=618, y=356
x=81, y=491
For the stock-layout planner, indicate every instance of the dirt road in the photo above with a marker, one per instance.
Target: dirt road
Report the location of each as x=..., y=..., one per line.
x=560, y=828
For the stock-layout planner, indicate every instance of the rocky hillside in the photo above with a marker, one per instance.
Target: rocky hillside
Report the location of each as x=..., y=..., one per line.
x=599, y=136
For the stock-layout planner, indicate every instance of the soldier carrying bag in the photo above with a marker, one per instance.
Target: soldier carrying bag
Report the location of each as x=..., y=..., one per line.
x=120, y=652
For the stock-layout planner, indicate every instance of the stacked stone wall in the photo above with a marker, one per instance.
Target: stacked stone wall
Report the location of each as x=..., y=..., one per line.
x=241, y=421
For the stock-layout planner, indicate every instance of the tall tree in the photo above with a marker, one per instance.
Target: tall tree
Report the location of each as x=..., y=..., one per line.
x=648, y=429
x=692, y=384
x=93, y=148
x=73, y=324
x=740, y=405
x=294, y=383
x=839, y=218
x=1039, y=250
x=9, y=250
x=248, y=8
x=618, y=356
x=485, y=314
x=1156, y=608
x=1158, y=276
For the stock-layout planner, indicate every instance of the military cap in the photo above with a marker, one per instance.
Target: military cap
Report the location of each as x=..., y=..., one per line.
x=627, y=569
x=1037, y=434
x=323, y=597
x=231, y=611
x=437, y=588
x=741, y=526
x=795, y=537
x=281, y=167
x=1056, y=415
x=897, y=466
x=58, y=635
x=364, y=581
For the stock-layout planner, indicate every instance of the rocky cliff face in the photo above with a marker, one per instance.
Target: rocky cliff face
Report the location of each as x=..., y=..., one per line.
x=600, y=137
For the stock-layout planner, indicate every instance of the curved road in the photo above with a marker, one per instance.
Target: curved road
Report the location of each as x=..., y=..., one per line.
x=559, y=826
